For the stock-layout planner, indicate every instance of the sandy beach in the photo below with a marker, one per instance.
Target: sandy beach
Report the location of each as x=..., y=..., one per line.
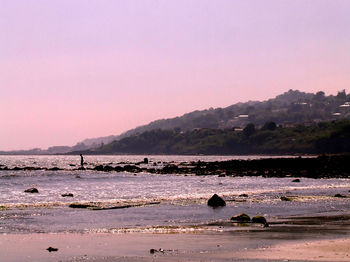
x=173, y=247
x=316, y=238
x=324, y=250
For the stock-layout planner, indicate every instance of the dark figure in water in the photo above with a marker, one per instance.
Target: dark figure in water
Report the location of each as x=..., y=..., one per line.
x=81, y=161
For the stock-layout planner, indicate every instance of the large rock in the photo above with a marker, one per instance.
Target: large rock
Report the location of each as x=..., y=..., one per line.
x=260, y=220
x=216, y=201
x=171, y=169
x=241, y=218
x=339, y=195
x=119, y=169
x=31, y=190
x=108, y=168
x=98, y=168
x=131, y=168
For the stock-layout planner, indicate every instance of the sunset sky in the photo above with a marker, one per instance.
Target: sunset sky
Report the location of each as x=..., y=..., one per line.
x=76, y=69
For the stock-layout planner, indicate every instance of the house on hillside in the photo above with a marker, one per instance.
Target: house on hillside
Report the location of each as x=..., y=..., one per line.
x=345, y=105
x=288, y=124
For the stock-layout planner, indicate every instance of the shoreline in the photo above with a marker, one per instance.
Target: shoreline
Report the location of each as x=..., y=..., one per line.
x=307, y=215
x=307, y=238
x=322, y=166
x=168, y=247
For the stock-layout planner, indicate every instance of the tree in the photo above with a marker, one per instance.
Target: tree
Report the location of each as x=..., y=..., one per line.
x=249, y=130
x=319, y=96
x=341, y=94
x=269, y=126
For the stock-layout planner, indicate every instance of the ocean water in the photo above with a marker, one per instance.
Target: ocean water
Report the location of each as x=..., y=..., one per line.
x=158, y=201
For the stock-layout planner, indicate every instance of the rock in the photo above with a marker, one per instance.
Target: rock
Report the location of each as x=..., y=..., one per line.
x=31, y=168
x=54, y=169
x=121, y=207
x=222, y=175
x=31, y=190
x=260, y=220
x=339, y=195
x=119, y=169
x=216, y=201
x=98, y=168
x=283, y=198
x=296, y=180
x=67, y=195
x=145, y=160
x=170, y=169
x=131, y=168
x=108, y=168
x=152, y=250
x=243, y=195
x=80, y=205
x=241, y=218
x=52, y=249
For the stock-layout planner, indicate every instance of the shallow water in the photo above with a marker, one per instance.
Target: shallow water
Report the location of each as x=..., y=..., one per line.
x=182, y=198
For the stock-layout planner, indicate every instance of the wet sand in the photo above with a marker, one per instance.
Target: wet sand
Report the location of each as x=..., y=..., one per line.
x=177, y=247
x=296, y=241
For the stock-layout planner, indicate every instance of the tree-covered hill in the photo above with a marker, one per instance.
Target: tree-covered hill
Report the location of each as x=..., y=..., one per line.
x=287, y=110
x=290, y=108
x=324, y=137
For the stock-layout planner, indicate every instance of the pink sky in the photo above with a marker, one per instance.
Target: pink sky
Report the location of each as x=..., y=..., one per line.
x=75, y=69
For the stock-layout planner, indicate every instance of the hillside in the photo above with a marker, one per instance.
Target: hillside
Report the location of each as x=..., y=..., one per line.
x=287, y=110
x=324, y=137
x=290, y=108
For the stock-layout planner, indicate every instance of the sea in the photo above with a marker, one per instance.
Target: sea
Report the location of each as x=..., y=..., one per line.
x=149, y=202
